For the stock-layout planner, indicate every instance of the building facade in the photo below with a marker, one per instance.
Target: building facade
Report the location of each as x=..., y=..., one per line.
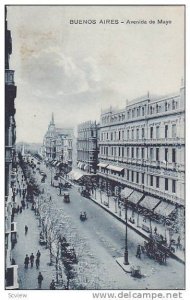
x=142, y=149
x=10, y=165
x=58, y=144
x=87, y=146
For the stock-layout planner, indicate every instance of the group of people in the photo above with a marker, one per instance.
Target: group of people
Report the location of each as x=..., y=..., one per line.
x=30, y=260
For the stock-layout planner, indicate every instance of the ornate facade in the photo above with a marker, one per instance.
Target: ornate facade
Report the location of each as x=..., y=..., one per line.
x=142, y=148
x=87, y=149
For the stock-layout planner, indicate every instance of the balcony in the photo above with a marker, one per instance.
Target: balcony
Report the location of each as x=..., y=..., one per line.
x=9, y=77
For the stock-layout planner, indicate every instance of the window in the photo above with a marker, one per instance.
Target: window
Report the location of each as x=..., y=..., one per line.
x=142, y=111
x=122, y=134
x=173, y=104
x=151, y=110
x=173, y=155
x=173, y=186
x=137, y=137
x=133, y=113
x=157, y=154
x=111, y=136
x=115, y=135
x=157, y=132
x=166, y=106
x=142, y=152
x=174, y=130
x=142, y=178
x=119, y=134
x=142, y=133
x=137, y=177
x=122, y=152
x=112, y=151
x=166, y=131
x=151, y=153
x=128, y=134
x=119, y=151
x=157, y=181
x=151, y=132
x=166, y=154
x=127, y=174
x=166, y=184
x=157, y=108
x=132, y=152
x=107, y=135
x=132, y=176
x=151, y=180
x=137, y=152
x=132, y=134
x=127, y=151
x=138, y=112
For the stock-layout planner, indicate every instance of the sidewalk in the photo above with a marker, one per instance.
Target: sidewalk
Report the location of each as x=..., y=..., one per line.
x=119, y=213
x=27, y=244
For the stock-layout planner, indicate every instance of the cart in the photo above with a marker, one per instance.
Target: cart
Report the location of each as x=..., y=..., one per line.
x=66, y=197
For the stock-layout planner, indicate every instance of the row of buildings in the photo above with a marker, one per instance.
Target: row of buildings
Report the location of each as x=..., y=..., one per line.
x=11, y=276
x=139, y=150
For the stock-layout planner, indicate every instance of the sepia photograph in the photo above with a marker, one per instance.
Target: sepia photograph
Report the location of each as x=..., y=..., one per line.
x=94, y=148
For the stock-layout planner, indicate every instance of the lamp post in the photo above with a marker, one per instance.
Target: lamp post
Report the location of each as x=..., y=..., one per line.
x=126, y=259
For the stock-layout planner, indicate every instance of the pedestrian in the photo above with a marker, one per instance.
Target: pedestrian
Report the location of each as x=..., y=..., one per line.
x=17, y=210
x=155, y=230
x=26, y=229
x=26, y=261
x=52, y=285
x=37, y=262
x=38, y=254
x=20, y=209
x=138, y=254
x=40, y=279
x=32, y=259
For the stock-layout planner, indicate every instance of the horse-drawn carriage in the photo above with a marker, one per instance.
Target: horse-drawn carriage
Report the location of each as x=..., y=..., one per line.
x=83, y=216
x=66, y=197
x=156, y=251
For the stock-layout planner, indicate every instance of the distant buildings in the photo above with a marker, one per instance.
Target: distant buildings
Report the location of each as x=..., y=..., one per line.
x=58, y=144
x=87, y=146
x=10, y=166
x=142, y=148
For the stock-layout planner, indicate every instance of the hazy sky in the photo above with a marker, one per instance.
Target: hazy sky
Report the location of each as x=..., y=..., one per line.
x=75, y=70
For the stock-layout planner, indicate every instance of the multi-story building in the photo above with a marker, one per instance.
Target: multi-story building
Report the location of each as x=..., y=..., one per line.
x=57, y=144
x=142, y=150
x=10, y=166
x=87, y=149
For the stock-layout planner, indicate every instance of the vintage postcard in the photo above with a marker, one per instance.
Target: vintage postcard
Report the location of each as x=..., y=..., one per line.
x=95, y=149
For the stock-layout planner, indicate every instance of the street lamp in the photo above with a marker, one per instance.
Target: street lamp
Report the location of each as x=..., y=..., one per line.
x=126, y=259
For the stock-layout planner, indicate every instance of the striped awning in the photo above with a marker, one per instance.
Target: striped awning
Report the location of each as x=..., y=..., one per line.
x=149, y=202
x=135, y=197
x=102, y=165
x=114, y=168
x=126, y=192
x=164, y=209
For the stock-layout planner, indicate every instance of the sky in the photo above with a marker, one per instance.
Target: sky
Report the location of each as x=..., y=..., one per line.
x=76, y=70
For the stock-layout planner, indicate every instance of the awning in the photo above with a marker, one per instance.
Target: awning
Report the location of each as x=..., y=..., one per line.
x=86, y=167
x=102, y=165
x=82, y=166
x=149, y=202
x=126, y=192
x=164, y=209
x=75, y=175
x=135, y=197
x=114, y=168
